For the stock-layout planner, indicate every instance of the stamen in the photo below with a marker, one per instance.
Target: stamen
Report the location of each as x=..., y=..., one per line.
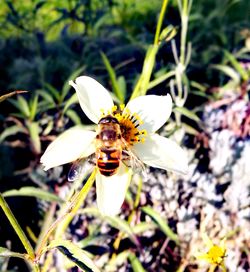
x=129, y=124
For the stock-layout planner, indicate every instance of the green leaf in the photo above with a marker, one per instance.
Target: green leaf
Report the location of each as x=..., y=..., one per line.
x=33, y=107
x=6, y=96
x=135, y=263
x=122, y=86
x=72, y=100
x=142, y=227
x=11, y=131
x=33, y=128
x=189, y=129
x=46, y=96
x=161, y=223
x=116, y=222
x=112, y=76
x=229, y=71
x=237, y=65
x=75, y=254
x=122, y=225
x=73, y=116
x=24, y=106
x=33, y=192
x=188, y=113
x=66, y=86
x=148, y=65
x=53, y=91
x=117, y=261
x=160, y=79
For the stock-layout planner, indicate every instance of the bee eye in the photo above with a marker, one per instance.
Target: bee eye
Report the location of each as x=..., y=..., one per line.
x=119, y=136
x=97, y=136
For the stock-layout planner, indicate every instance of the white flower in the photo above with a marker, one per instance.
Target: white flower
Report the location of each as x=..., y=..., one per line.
x=139, y=121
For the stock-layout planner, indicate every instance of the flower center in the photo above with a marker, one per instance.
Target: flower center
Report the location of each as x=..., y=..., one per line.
x=216, y=254
x=129, y=123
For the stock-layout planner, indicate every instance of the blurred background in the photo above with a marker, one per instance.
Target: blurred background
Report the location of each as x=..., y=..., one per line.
x=44, y=44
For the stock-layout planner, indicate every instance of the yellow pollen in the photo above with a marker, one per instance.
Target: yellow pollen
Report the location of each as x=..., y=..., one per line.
x=129, y=124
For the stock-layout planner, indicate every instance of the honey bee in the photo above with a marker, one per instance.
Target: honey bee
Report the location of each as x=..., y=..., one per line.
x=111, y=151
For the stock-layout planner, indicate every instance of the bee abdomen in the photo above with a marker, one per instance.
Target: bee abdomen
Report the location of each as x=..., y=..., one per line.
x=108, y=162
x=108, y=168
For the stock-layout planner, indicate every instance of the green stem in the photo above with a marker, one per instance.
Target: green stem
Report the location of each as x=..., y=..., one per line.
x=149, y=61
x=184, y=21
x=67, y=212
x=17, y=228
x=159, y=23
x=76, y=203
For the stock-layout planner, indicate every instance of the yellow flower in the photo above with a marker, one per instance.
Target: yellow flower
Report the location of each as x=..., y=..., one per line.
x=215, y=254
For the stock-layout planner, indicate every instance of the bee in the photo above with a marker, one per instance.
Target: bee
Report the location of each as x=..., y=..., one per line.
x=111, y=151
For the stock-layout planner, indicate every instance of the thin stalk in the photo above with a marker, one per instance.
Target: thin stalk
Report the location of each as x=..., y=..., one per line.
x=23, y=238
x=67, y=213
x=141, y=86
x=76, y=203
x=184, y=23
x=160, y=20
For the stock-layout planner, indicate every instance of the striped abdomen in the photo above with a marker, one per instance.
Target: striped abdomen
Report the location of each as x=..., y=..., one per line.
x=108, y=161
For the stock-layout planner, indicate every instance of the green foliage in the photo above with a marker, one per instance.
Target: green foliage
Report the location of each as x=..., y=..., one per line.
x=75, y=254
x=44, y=44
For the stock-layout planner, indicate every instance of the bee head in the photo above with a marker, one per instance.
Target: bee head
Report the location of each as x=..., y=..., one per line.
x=108, y=119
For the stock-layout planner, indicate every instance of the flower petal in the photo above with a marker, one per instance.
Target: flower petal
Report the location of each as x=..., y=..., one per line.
x=111, y=191
x=69, y=146
x=93, y=97
x=154, y=110
x=160, y=152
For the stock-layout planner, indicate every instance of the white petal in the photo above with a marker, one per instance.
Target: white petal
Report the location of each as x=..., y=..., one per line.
x=111, y=191
x=93, y=97
x=69, y=146
x=160, y=152
x=154, y=110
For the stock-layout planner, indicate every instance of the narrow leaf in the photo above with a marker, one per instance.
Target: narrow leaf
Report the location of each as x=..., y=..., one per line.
x=13, y=130
x=33, y=128
x=75, y=254
x=161, y=223
x=24, y=106
x=66, y=86
x=237, y=65
x=33, y=107
x=33, y=192
x=122, y=225
x=229, y=71
x=5, y=252
x=112, y=76
x=115, y=222
x=186, y=112
x=53, y=91
x=72, y=100
x=73, y=116
x=135, y=263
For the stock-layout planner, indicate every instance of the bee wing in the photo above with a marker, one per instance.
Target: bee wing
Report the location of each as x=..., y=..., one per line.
x=132, y=161
x=80, y=168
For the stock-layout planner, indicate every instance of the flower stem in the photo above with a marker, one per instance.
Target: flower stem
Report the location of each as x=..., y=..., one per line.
x=160, y=20
x=76, y=203
x=67, y=212
x=141, y=86
x=17, y=228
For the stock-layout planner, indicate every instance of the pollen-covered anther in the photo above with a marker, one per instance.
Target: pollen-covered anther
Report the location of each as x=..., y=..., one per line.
x=129, y=124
